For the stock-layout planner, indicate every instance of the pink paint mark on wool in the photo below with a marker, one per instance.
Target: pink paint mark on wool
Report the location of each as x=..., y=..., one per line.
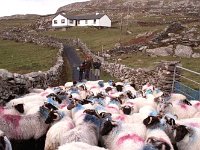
x=194, y=124
x=1, y=110
x=197, y=104
x=111, y=107
x=184, y=106
x=122, y=118
x=44, y=94
x=12, y=119
x=71, y=125
x=133, y=137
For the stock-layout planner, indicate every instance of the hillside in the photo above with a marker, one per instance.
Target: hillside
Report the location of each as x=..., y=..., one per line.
x=114, y=7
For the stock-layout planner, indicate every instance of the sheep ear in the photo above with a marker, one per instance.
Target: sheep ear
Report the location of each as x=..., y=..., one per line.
x=19, y=108
x=165, y=146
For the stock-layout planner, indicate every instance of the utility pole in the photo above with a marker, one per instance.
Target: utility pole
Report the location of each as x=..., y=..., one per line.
x=127, y=18
x=121, y=22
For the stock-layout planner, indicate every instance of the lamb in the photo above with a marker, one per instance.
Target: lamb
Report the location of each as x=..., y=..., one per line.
x=187, y=138
x=4, y=142
x=79, y=146
x=123, y=136
x=55, y=133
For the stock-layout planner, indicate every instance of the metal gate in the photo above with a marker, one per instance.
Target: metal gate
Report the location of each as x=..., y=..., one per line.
x=186, y=82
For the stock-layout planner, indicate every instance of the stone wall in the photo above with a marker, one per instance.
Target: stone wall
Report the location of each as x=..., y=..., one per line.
x=13, y=85
x=161, y=76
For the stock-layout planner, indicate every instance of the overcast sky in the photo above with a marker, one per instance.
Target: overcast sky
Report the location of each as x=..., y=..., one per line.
x=41, y=7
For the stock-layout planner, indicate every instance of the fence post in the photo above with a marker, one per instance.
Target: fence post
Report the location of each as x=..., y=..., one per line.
x=174, y=78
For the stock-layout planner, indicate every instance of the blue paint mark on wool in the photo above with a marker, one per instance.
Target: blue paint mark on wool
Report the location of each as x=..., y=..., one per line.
x=53, y=102
x=92, y=119
x=114, y=102
x=101, y=83
x=78, y=107
x=149, y=147
x=153, y=113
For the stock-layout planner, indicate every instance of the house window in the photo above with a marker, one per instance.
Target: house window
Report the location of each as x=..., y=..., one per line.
x=86, y=22
x=55, y=21
x=94, y=21
x=62, y=20
x=71, y=21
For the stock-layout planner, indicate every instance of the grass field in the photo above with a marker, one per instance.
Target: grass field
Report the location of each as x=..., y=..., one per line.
x=25, y=57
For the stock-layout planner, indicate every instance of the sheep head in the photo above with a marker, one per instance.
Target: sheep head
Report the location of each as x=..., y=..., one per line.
x=182, y=132
x=108, y=125
x=52, y=116
x=158, y=144
x=151, y=121
x=127, y=110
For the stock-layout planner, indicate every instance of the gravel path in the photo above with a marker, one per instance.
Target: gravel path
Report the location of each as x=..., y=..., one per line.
x=74, y=62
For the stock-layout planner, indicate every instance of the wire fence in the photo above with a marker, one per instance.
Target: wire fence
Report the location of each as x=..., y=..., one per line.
x=188, y=86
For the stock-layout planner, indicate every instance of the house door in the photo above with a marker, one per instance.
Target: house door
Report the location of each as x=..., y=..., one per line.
x=76, y=22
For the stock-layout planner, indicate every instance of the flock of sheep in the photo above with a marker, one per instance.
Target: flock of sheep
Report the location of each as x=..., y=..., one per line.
x=98, y=115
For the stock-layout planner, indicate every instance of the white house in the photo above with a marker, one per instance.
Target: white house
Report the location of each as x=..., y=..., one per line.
x=97, y=20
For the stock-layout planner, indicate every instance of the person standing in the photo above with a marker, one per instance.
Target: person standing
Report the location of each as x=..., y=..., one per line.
x=97, y=66
x=88, y=66
x=81, y=70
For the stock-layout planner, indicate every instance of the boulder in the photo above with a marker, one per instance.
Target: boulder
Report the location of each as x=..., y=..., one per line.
x=161, y=51
x=183, y=51
x=196, y=55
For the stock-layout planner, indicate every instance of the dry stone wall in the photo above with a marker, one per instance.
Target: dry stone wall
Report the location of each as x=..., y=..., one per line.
x=161, y=76
x=13, y=85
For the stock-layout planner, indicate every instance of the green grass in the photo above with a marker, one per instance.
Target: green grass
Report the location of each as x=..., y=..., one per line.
x=26, y=57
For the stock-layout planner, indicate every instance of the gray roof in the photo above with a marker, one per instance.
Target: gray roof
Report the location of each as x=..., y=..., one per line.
x=85, y=17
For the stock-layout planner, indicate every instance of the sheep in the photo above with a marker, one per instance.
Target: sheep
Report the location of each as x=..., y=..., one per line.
x=4, y=142
x=123, y=136
x=55, y=133
x=179, y=108
x=187, y=138
x=21, y=127
x=176, y=97
x=79, y=146
x=157, y=139
x=87, y=132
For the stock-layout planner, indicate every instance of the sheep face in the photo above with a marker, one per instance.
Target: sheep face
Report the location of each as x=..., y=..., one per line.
x=19, y=108
x=53, y=116
x=119, y=88
x=127, y=110
x=2, y=143
x=180, y=133
x=107, y=127
x=151, y=121
x=158, y=144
